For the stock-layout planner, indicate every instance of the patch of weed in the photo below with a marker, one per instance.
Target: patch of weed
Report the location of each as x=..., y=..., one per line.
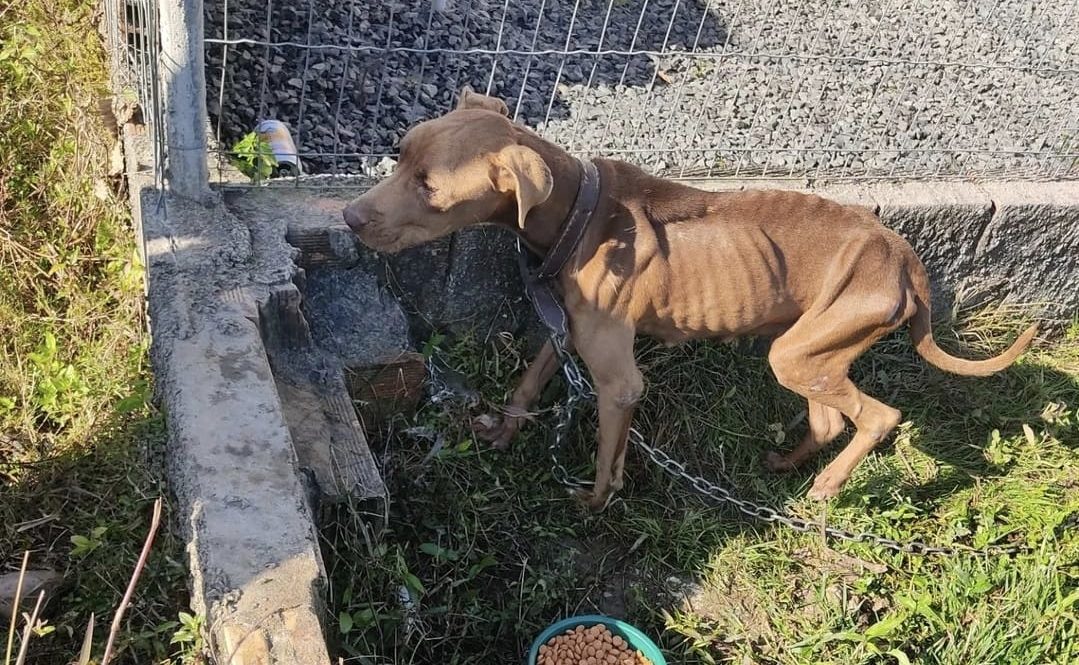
x=253, y=157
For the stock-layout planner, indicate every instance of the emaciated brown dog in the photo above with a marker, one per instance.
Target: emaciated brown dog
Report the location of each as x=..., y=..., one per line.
x=824, y=280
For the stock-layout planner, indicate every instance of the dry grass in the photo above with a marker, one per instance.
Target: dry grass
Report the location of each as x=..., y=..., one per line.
x=79, y=444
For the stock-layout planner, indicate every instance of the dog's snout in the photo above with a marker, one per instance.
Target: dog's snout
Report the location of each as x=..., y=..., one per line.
x=355, y=216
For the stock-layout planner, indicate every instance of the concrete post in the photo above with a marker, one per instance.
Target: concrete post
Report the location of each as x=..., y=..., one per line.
x=183, y=84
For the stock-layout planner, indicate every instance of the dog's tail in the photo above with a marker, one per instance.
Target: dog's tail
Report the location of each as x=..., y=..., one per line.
x=921, y=333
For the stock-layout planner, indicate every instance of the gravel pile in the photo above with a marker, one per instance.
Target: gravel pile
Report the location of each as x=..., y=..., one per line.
x=774, y=87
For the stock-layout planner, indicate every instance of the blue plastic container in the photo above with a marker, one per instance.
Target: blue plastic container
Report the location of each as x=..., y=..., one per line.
x=636, y=639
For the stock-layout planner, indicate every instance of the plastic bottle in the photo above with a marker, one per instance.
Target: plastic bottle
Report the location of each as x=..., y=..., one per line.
x=283, y=148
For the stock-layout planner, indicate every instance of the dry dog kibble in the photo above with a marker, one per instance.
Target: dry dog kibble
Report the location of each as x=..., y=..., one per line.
x=589, y=646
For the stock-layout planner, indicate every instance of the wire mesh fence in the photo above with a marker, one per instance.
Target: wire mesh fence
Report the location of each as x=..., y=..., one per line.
x=820, y=89
x=132, y=35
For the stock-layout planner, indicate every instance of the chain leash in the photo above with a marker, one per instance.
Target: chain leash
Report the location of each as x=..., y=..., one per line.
x=580, y=390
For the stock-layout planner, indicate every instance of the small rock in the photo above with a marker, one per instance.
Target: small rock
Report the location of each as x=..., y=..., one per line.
x=34, y=582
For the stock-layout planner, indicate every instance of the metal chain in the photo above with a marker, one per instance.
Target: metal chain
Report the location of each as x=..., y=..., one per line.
x=580, y=390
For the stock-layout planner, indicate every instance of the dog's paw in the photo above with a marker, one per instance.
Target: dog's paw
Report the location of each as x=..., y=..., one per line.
x=593, y=501
x=827, y=485
x=777, y=462
x=495, y=429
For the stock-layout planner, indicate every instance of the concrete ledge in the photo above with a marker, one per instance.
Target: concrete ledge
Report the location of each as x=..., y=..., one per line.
x=251, y=543
x=1004, y=242
x=256, y=570
x=1030, y=247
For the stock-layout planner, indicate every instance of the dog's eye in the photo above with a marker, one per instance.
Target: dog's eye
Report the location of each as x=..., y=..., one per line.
x=424, y=185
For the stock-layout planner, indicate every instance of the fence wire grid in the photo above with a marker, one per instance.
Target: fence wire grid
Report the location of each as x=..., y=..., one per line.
x=133, y=37
x=801, y=89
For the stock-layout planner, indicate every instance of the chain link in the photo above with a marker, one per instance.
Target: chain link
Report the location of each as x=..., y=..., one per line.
x=580, y=390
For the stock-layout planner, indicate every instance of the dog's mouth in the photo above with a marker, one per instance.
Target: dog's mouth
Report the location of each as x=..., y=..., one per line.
x=377, y=241
x=391, y=243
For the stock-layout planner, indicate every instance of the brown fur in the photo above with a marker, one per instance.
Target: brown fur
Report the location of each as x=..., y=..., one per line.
x=666, y=260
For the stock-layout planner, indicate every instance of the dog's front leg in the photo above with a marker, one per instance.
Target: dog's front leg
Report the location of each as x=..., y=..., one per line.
x=608, y=353
x=500, y=429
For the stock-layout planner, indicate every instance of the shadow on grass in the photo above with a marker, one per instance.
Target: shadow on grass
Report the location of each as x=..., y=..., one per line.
x=85, y=513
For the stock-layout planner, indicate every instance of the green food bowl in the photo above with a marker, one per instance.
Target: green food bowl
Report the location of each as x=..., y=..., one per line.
x=636, y=639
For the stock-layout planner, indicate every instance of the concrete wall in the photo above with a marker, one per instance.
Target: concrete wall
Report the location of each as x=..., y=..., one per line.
x=252, y=551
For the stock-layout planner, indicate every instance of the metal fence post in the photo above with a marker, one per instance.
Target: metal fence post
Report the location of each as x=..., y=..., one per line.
x=183, y=82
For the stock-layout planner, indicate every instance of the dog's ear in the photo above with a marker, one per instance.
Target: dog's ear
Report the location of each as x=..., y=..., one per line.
x=470, y=99
x=522, y=171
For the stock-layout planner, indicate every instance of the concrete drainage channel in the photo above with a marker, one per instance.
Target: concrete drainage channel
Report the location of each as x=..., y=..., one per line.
x=271, y=323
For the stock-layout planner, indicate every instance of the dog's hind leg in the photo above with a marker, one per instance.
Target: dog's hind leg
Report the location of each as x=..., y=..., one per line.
x=875, y=423
x=825, y=424
x=813, y=358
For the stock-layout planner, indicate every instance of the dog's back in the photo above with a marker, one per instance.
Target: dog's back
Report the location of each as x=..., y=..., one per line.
x=687, y=263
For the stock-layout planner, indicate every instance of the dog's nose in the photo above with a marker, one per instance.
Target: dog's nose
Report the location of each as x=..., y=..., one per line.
x=355, y=217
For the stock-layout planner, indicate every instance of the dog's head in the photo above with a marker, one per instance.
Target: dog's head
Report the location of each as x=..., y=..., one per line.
x=464, y=168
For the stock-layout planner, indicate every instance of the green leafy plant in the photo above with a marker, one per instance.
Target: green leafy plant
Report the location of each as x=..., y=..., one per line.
x=84, y=545
x=254, y=158
x=189, y=637
x=59, y=386
x=870, y=639
x=440, y=553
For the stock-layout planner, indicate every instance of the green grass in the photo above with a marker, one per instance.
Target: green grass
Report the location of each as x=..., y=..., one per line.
x=491, y=550
x=80, y=448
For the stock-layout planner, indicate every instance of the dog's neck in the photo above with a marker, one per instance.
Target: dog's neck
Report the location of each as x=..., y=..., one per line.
x=544, y=222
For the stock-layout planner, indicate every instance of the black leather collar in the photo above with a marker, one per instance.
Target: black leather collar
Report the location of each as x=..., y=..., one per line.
x=574, y=226
x=541, y=292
